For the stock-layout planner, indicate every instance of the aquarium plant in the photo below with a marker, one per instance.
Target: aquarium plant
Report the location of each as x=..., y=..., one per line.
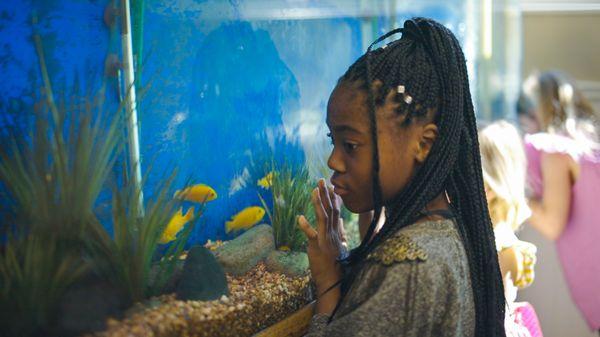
x=52, y=176
x=129, y=257
x=50, y=180
x=291, y=196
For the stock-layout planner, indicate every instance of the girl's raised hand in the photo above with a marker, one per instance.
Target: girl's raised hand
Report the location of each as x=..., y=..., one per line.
x=327, y=242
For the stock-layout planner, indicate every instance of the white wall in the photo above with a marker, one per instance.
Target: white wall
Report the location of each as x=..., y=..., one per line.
x=564, y=35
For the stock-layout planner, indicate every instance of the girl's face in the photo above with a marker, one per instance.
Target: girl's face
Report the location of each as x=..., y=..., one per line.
x=529, y=123
x=401, y=148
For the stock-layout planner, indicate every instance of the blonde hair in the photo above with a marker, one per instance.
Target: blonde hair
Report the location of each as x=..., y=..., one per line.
x=562, y=108
x=503, y=164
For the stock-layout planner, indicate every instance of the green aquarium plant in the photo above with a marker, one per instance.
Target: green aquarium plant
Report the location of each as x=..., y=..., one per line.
x=34, y=273
x=291, y=194
x=130, y=259
x=51, y=176
x=50, y=179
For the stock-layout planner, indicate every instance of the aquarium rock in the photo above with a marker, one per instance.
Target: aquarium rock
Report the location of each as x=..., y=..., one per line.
x=86, y=306
x=239, y=255
x=202, y=278
x=171, y=284
x=289, y=263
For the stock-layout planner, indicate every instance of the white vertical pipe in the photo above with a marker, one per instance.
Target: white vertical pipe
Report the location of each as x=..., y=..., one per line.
x=487, y=33
x=471, y=36
x=130, y=100
x=512, y=56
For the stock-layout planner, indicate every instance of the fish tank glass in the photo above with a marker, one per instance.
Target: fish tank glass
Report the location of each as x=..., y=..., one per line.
x=226, y=86
x=223, y=106
x=247, y=80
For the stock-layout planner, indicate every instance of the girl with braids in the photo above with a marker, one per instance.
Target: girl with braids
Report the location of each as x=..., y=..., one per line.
x=564, y=178
x=405, y=139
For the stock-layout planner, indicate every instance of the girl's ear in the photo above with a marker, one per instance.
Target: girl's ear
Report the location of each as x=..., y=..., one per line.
x=429, y=134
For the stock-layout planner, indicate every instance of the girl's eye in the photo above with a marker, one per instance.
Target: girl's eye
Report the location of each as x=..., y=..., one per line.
x=350, y=147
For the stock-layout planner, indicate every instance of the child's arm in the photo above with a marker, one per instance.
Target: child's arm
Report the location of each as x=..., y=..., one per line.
x=510, y=261
x=550, y=214
x=518, y=260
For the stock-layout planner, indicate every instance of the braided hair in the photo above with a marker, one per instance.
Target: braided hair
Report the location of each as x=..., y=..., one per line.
x=428, y=64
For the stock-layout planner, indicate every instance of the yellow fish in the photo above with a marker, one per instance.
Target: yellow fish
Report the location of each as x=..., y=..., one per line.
x=266, y=181
x=176, y=224
x=284, y=249
x=245, y=219
x=197, y=193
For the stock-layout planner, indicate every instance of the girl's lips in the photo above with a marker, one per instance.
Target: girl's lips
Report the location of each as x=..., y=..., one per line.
x=340, y=190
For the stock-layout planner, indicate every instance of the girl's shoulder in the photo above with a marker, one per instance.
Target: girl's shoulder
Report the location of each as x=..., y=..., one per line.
x=552, y=143
x=433, y=242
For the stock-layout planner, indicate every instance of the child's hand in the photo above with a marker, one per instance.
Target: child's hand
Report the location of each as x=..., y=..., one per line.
x=326, y=243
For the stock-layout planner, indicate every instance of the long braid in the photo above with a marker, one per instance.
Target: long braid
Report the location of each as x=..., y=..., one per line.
x=377, y=195
x=429, y=62
x=491, y=277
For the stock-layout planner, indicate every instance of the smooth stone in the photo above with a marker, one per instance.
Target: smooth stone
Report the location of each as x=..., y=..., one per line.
x=289, y=263
x=241, y=254
x=202, y=278
x=171, y=283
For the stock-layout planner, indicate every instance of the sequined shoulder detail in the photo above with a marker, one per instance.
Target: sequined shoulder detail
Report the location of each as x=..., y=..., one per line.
x=398, y=248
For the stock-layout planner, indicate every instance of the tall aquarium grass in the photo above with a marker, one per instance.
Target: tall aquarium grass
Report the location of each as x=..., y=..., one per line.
x=51, y=179
x=54, y=176
x=291, y=188
x=126, y=258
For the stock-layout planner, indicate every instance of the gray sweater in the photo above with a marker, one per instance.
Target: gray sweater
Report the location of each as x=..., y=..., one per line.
x=416, y=283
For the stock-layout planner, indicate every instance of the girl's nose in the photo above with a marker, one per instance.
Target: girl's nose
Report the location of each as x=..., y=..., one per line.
x=335, y=162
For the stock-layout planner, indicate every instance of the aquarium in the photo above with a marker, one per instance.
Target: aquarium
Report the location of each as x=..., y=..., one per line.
x=195, y=130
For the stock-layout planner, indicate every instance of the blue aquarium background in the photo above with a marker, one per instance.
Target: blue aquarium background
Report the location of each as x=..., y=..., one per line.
x=224, y=86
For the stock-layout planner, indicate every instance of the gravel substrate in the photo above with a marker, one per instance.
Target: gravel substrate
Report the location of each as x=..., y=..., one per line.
x=257, y=300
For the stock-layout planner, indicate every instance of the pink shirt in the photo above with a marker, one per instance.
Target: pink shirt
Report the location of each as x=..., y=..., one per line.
x=579, y=245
